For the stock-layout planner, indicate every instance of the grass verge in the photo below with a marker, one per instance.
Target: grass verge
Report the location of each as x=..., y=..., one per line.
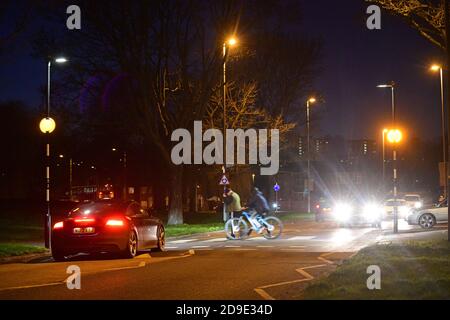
x=13, y=231
x=410, y=270
x=17, y=249
x=188, y=229
x=295, y=216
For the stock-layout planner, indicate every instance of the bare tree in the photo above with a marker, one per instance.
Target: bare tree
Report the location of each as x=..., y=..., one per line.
x=169, y=52
x=427, y=17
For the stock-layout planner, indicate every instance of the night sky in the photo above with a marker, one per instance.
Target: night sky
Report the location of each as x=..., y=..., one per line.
x=355, y=61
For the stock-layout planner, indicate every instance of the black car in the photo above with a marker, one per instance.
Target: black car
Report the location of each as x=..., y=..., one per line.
x=122, y=227
x=323, y=210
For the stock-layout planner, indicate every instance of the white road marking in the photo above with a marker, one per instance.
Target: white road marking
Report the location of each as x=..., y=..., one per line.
x=264, y=294
x=198, y=247
x=322, y=257
x=264, y=246
x=171, y=247
x=34, y=286
x=232, y=246
x=283, y=283
x=182, y=241
x=307, y=277
x=141, y=264
x=301, y=238
x=297, y=246
x=216, y=240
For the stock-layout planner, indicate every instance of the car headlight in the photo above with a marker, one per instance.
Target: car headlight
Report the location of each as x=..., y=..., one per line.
x=372, y=211
x=342, y=211
x=418, y=205
x=404, y=211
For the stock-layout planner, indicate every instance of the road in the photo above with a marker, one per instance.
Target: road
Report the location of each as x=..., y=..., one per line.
x=203, y=266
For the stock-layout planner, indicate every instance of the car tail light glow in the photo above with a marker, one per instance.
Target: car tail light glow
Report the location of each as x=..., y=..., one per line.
x=115, y=223
x=318, y=206
x=84, y=220
x=58, y=225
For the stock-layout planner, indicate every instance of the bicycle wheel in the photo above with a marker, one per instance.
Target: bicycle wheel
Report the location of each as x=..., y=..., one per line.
x=273, y=228
x=236, y=229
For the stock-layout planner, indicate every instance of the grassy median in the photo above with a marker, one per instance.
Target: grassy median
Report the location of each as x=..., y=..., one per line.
x=18, y=249
x=411, y=270
x=188, y=229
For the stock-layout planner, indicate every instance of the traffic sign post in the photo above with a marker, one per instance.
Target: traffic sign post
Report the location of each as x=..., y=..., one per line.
x=276, y=188
x=224, y=182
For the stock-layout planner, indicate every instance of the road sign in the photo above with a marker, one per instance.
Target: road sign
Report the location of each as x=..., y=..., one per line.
x=276, y=187
x=224, y=181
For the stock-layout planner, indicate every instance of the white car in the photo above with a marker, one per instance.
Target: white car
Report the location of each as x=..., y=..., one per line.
x=427, y=218
x=413, y=201
x=402, y=207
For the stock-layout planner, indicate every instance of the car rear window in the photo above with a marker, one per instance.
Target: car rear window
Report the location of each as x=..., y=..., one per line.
x=95, y=208
x=393, y=203
x=412, y=198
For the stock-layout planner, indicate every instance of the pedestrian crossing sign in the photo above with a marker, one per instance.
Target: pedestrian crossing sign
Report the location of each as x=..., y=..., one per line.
x=224, y=181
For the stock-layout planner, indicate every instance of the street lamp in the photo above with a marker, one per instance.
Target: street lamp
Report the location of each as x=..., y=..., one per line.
x=308, y=103
x=391, y=86
x=61, y=156
x=436, y=68
x=124, y=164
x=231, y=42
x=385, y=131
x=47, y=125
x=394, y=137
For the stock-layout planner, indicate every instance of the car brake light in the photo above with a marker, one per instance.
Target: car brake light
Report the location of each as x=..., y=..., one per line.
x=58, y=225
x=318, y=206
x=114, y=223
x=84, y=220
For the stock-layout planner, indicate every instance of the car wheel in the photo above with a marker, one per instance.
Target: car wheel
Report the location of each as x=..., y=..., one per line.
x=58, y=256
x=426, y=221
x=132, y=245
x=161, y=239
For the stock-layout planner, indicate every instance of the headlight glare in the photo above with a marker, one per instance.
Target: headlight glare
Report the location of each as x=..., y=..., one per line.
x=342, y=211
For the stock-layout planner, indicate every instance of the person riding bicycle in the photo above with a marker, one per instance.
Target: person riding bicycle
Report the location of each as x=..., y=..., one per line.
x=258, y=202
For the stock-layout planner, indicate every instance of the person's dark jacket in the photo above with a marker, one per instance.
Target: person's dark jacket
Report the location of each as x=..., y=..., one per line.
x=258, y=202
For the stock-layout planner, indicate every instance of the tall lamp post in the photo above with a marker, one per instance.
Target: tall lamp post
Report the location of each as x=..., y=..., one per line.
x=437, y=68
x=385, y=131
x=394, y=137
x=125, y=178
x=391, y=86
x=47, y=125
x=308, y=103
x=231, y=42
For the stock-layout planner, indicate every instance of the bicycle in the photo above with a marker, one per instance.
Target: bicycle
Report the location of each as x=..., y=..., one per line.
x=237, y=228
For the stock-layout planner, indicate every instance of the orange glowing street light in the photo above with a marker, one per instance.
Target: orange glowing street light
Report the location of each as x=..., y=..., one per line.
x=435, y=67
x=394, y=136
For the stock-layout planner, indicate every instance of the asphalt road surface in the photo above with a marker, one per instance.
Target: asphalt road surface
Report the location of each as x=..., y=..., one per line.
x=205, y=266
